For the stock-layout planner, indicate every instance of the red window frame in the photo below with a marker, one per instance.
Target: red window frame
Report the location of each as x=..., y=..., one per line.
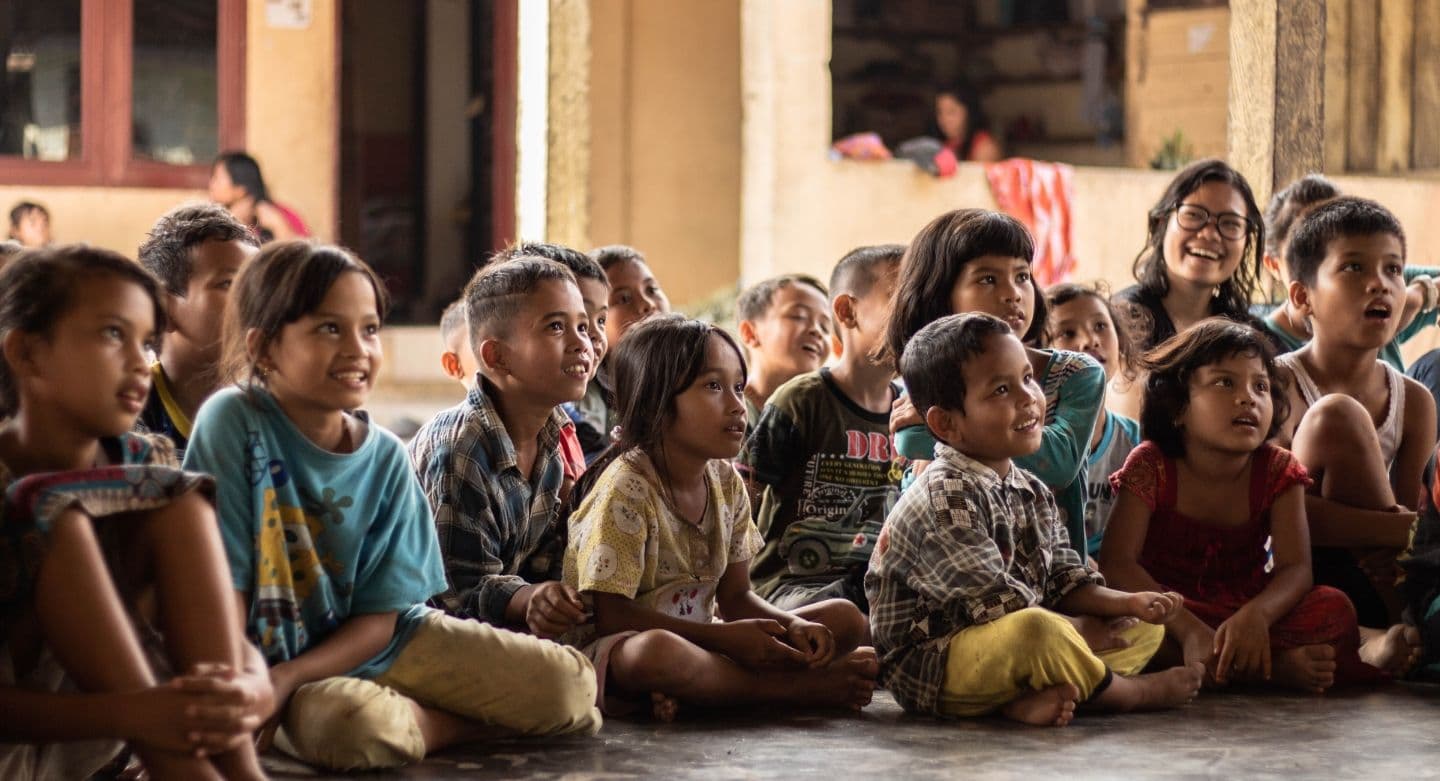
x=107, y=155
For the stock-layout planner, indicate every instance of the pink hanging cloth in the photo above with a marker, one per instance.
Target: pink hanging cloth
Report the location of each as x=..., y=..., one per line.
x=1039, y=194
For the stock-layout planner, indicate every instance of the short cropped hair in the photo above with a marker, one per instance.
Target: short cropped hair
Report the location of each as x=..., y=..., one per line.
x=858, y=271
x=166, y=252
x=497, y=292
x=755, y=301
x=1290, y=204
x=19, y=210
x=611, y=254
x=1337, y=218
x=452, y=320
x=933, y=361
x=580, y=264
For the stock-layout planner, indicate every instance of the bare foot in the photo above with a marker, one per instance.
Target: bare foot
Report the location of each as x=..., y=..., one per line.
x=1309, y=668
x=663, y=707
x=1396, y=651
x=1199, y=650
x=1153, y=691
x=848, y=681
x=1050, y=707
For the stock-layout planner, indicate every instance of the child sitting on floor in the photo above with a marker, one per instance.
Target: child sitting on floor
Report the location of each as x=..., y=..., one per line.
x=1362, y=429
x=457, y=360
x=1083, y=320
x=95, y=520
x=784, y=323
x=661, y=542
x=1198, y=500
x=492, y=467
x=195, y=251
x=331, y=545
x=975, y=562
x=819, y=462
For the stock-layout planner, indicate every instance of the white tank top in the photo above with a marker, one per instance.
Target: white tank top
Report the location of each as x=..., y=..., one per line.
x=1389, y=430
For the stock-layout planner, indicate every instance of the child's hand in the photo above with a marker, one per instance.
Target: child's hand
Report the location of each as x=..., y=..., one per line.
x=1103, y=634
x=1242, y=644
x=759, y=643
x=554, y=609
x=1154, y=607
x=250, y=691
x=169, y=718
x=814, y=640
x=903, y=414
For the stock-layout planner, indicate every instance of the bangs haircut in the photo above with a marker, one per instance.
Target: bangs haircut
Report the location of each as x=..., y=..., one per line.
x=755, y=302
x=1059, y=295
x=933, y=362
x=452, y=320
x=1337, y=218
x=934, y=261
x=1172, y=365
x=861, y=268
x=286, y=281
x=37, y=288
x=498, y=292
x=580, y=264
x=167, y=251
x=1290, y=204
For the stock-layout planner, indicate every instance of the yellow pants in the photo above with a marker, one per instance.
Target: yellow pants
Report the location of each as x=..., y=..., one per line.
x=517, y=683
x=991, y=664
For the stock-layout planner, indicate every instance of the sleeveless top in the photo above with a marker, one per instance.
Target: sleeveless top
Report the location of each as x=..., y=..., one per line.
x=1390, y=430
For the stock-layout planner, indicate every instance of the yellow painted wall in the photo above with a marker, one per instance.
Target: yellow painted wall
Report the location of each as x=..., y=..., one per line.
x=665, y=160
x=291, y=117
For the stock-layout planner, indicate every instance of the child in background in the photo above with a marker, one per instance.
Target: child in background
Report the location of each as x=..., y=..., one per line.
x=331, y=545
x=784, y=323
x=661, y=542
x=457, y=361
x=1364, y=430
x=1286, y=324
x=492, y=467
x=976, y=260
x=93, y=516
x=1082, y=320
x=963, y=594
x=195, y=251
x=30, y=225
x=819, y=461
x=1199, y=498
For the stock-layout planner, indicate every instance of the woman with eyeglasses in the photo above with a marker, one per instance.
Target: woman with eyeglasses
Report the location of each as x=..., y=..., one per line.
x=1202, y=258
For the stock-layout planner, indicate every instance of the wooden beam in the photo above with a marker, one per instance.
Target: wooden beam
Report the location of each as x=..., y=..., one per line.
x=1425, y=152
x=1397, y=61
x=1337, y=83
x=567, y=201
x=1364, y=81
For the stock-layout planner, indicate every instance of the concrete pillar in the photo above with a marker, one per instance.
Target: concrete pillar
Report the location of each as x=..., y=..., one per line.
x=1277, y=73
x=568, y=166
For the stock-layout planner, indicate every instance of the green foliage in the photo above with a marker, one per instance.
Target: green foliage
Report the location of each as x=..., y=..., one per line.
x=1174, y=153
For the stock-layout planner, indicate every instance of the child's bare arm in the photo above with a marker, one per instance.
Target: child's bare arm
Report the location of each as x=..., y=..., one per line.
x=357, y=639
x=1125, y=532
x=1093, y=600
x=1417, y=442
x=737, y=600
x=753, y=642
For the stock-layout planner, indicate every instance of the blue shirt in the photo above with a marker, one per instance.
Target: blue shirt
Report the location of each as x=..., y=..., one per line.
x=315, y=537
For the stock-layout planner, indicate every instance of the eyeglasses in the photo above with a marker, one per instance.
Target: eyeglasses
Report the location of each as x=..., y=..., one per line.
x=1195, y=218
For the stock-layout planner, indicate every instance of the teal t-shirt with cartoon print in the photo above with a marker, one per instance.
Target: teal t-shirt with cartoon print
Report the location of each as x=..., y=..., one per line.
x=315, y=537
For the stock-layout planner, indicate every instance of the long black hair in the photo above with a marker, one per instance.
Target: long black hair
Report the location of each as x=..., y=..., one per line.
x=245, y=172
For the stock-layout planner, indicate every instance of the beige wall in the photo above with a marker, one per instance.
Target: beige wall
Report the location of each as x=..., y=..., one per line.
x=290, y=120
x=665, y=129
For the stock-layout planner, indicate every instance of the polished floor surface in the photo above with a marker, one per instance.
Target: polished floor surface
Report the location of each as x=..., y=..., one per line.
x=1393, y=733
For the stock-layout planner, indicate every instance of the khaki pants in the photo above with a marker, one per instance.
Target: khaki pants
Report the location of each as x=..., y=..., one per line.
x=519, y=684
x=992, y=664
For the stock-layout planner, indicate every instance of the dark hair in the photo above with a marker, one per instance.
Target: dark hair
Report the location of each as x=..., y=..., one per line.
x=284, y=282
x=755, y=300
x=858, y=271
x=18, y=212
x=1173, y=363
x=1232, y=298
x=166, y=252
x=660, y=357
x=580, y=264
x=933, y=263
x=1334, y=219
x=497, y=292
x=1059, y=295
x=611, y=254
x=1290, y=203
x=933, y=361
x=244, y=172
x=975, y=119
x=37, y=288
x=452, y=319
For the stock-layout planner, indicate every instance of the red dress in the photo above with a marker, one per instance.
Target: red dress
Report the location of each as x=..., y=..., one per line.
x=1217, y=569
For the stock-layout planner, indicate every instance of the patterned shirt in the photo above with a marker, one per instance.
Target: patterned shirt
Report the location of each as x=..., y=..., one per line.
x=498, y=530
x=965, y=547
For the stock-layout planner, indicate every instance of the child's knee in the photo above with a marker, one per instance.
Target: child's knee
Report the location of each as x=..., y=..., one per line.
x=1338, y=422
x=844, y=620
x=561, y=695
x=352, y=724
x=655, y=659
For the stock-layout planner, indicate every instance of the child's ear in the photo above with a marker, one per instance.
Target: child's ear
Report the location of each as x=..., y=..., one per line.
x=19, y=350
x=450, y=364
x=1272, y=265
x=843, y=310
x=942, y=422
x=253, y=337
x=748, y=337
x=1300, y=297
x=492, y=355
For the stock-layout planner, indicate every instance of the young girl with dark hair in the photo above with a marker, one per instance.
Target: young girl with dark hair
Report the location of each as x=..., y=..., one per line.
x=661, y=541
x=96, y=518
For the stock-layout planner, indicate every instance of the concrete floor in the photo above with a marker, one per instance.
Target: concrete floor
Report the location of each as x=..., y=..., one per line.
x=1393, y=733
